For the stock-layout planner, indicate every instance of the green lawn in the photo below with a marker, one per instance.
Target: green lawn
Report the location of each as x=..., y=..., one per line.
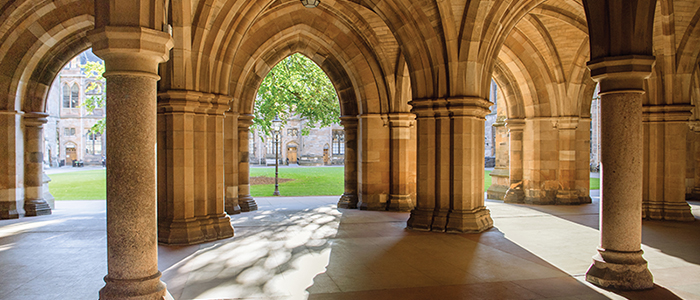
x=321, y=181
x=80, y=185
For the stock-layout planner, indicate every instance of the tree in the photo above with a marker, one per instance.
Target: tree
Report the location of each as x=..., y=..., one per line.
x=296, y=86
x=95, y=89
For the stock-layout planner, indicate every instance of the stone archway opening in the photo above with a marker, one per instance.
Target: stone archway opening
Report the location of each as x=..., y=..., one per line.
x=300, y=93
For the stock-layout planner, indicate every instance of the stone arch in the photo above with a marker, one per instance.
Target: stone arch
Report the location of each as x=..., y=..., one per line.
x=31, y=55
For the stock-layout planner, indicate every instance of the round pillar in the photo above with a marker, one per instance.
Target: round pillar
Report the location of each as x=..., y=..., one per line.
x=131, y=56
x=619, y=262
x=34, y=202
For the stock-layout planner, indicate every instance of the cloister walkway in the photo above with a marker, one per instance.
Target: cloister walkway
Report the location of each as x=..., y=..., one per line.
x=304, y=247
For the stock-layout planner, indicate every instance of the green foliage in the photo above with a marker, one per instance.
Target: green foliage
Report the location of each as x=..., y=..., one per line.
x=298, y=86
x=80, y=185
x=95, y=91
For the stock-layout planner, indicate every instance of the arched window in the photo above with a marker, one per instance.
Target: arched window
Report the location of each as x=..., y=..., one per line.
x=94, y=143
x=66, y=96
x=74, y=96
x=338, y=142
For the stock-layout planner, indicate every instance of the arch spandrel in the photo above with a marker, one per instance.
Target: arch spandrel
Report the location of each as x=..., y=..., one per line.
x=36, y=46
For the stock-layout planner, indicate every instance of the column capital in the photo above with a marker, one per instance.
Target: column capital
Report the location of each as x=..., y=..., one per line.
x=401, y=119
x=220, y=104
x=178, y=101
x=348, y=121
x=515, y=124
x=134, y=51
x=621, y=74
x=244, y=121
x=666, y=113
x=35, y=119
x=469, y=106
x=565, y=123
x=695, y=125
x=452, y=106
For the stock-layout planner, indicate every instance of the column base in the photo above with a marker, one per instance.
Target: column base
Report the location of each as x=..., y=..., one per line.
x=567, y=197
x=36, y=207
x=540, y=197
x=514, y=195
x=232, y=207
x=149, y=288
x=674, y=211
x=207, y=226
x=247, y=203
x=439, y=221
x=8, y=210
x=222, y=225
x=373, y=202
x=420, y=220
x=585, y=199
x=348, y=201
x=180, y=232
x=620, y=270
x=470, y=221
x=400, y=203
x=496, y=192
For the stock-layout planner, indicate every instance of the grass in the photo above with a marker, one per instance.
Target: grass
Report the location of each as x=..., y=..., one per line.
x=80, y=185
x=321, y=181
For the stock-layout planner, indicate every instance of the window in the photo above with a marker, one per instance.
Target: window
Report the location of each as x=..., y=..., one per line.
x=69, y=131
x=338, y=142
x=71, y=96
x=251, y=145
x=74, y=96
x=66, y=96
x=270, y=146
x=94, y=143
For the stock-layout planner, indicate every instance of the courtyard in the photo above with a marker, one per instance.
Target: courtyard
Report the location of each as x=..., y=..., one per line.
x=305, y=247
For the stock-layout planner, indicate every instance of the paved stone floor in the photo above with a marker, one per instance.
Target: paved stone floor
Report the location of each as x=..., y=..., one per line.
x=299, y=248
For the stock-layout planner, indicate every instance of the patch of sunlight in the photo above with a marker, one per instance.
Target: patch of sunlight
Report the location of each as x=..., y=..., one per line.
x=17, y=228
x=278, y=261
x=570, y=246
x=6, y=247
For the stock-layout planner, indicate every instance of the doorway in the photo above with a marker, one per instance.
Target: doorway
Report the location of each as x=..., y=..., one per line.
x=292, y=154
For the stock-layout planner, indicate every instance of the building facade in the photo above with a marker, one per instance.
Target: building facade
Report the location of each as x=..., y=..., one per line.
x=67, y=134
x=321, y=146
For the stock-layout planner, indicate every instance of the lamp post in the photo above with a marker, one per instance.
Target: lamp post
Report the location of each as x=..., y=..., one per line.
x=276, y=125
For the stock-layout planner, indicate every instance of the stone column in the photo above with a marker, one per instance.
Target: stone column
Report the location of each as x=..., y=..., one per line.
x=12, y=176
x=450, y=165
x=665, y=162
x=374, y=158
x=177, y=224
x=349, y=198
x=245, y=200
x=215, y=171
x=443, y=149
x=515, y=193
x=34, y=202
x=201, y=168
x=583, y=160
x=422, y=215
x=619, y=262
x=566, y=173
x=402, y=150
x=500, y=175
x=231, y=163
x=696, y=159
x=131, y=56
x=467, y=210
